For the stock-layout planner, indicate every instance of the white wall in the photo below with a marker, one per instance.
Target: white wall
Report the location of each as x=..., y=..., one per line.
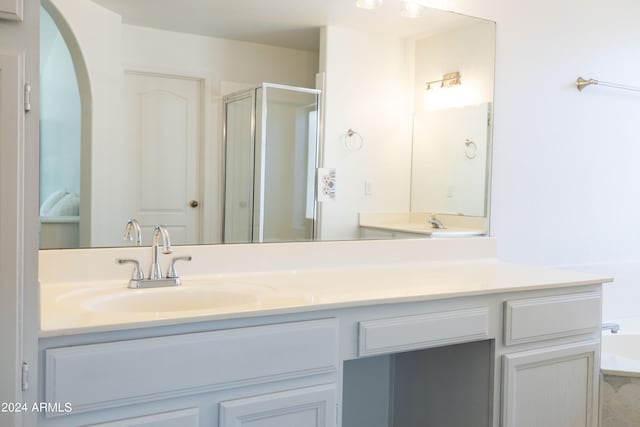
x=449, y=160
x=368, y=82
x=565, y=165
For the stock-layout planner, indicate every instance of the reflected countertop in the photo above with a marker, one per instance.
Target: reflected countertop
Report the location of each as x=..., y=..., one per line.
x=417, y=223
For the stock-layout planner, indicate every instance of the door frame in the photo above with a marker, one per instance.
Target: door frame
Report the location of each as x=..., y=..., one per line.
x=19, y=219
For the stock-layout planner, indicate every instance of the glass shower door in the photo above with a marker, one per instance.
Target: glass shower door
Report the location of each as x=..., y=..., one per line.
x=239, y=158
x=271, y=146
x=285, y=163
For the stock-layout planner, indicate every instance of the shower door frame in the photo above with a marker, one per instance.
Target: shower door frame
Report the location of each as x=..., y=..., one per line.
x=252, y=93
x=237, y=96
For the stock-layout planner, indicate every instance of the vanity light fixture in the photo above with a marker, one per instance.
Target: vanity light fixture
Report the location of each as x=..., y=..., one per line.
x=368, y=4
x=411, y=9
x=448, y=80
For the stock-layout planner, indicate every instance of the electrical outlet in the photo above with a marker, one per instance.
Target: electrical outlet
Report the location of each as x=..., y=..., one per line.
x=326, y=184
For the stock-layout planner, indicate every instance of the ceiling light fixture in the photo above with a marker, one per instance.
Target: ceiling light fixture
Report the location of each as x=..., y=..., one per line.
x=411, y=9
x=369, y=4
x=448, y=80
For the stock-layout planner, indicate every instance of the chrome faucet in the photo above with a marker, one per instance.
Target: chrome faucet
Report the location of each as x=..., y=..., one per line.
x=155, y=278
x=436, y=223
x=133, y=231
x=158, y=232
x=613, y=327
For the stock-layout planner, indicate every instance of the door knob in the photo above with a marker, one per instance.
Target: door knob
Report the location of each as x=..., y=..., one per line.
x=194, y=203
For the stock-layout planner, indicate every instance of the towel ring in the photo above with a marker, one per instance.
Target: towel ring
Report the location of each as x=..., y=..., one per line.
x=470, y=149
x=349, y=140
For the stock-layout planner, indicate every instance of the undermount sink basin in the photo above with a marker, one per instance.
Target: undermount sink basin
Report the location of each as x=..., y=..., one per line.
x=169, y=299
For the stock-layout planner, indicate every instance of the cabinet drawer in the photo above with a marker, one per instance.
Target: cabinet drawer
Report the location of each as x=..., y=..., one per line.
x=537, y=319
x=421, y=331
x=113, y=374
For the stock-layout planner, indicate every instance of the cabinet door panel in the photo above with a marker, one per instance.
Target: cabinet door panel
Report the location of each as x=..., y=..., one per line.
x=183, y=418
x=11, y=9
x=305, y=407
x=551, y=387
x=149, y=369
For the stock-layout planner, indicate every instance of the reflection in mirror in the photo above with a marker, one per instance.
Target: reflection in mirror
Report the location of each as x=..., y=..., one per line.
x=134, y=97
x=270, y=138
x=450, y=152
x=60, y=140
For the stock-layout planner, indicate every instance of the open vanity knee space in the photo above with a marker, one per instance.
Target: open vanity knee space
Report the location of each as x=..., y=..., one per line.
x=453, y=341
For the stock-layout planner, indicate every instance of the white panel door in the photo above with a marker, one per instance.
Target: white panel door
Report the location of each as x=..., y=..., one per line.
x=163, y=130
x=305, y=407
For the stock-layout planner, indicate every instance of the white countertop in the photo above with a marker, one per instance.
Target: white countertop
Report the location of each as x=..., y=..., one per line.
x=77, y=307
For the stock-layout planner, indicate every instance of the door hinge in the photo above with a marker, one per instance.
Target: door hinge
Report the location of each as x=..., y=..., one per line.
x=27, y=97
x=25, y=376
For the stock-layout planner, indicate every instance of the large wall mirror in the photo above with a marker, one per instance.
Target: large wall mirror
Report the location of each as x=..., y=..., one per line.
x=254, y=121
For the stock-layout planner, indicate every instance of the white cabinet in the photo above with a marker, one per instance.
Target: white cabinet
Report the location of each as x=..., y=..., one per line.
x=551, y=361
x=305, y=407
x=551, y=387
x=180, y=380
x=150, y=369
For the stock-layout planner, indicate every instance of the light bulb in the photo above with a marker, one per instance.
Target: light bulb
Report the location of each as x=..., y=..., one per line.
x=411, y=9
x=369, y=4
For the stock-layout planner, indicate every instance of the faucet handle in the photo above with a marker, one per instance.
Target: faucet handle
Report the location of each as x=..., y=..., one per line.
x=171, y=272
x=137, y=270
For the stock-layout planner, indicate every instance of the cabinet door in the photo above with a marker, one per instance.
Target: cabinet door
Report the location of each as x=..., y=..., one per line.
x=305, y=407
x=551, y=387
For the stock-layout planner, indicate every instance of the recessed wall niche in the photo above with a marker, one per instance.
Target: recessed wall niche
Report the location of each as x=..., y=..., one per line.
x=444, y=386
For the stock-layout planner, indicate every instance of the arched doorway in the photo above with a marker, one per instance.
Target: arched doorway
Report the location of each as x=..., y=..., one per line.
x=65, y=135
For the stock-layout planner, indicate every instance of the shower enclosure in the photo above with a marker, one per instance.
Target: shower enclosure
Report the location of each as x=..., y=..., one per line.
x=271, y=152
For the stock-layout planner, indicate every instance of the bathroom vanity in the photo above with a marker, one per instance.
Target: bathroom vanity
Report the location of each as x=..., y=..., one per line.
x=386, y=334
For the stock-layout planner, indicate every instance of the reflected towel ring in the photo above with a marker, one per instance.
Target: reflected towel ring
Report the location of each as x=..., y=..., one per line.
x=348, y=140
x=470, y=149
